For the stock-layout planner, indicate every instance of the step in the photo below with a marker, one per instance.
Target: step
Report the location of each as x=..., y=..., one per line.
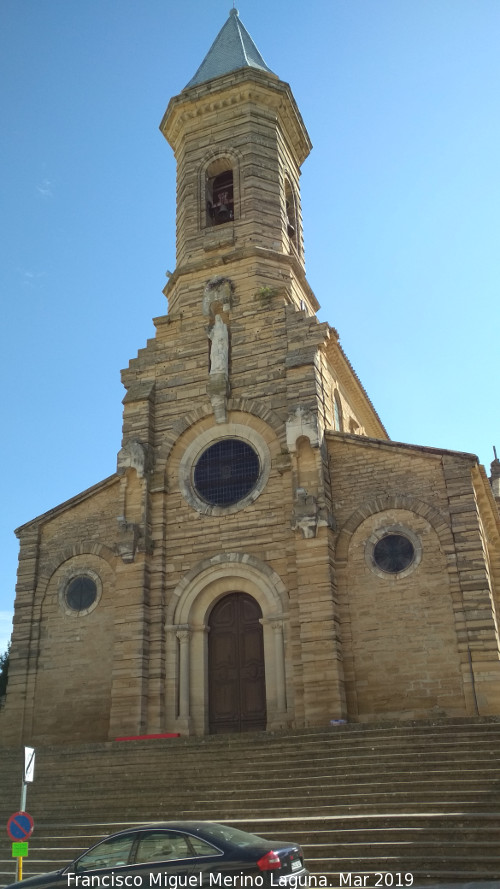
x=421, y=796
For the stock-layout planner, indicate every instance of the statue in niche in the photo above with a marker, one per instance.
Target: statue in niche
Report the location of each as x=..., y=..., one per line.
x=308, y=514
x=218, y=292
x=134, y=454
x=219, y=351
x=217, y=298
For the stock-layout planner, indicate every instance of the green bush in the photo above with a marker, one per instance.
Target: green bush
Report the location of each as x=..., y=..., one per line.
x=4, y=671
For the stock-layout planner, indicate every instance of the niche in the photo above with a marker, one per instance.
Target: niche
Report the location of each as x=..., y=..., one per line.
x=219, y=192
x=307, y=471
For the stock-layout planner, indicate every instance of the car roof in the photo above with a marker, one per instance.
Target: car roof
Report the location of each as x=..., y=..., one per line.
x=170, y=825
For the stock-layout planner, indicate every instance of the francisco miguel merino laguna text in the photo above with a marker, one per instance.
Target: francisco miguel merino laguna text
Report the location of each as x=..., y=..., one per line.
x=191, y=881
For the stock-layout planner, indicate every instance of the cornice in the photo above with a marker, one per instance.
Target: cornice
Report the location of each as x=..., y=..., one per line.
x=382, y=444
x=245, y=85
x=485, y=494
x=207, y=266
x=348, y=375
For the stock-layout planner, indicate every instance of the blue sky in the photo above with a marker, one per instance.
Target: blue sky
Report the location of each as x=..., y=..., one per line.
x=400, y=196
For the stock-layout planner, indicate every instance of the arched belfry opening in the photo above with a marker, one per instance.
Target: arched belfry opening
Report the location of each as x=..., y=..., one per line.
x=236, y=672
x=219, y=192
x=292, y=225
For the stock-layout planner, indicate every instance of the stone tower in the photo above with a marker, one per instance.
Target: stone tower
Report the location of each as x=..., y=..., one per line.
x=264, y=557
x=249, y=379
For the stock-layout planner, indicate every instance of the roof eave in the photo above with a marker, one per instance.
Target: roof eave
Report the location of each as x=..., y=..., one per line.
x=388, y=443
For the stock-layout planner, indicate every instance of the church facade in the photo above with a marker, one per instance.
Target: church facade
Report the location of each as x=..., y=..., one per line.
x=264, y=556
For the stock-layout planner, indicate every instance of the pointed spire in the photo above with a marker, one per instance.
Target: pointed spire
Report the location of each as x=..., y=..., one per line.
x=233, y=48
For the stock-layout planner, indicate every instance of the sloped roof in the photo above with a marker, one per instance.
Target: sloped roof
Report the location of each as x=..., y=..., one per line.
x=233, y=48
x=68, y=504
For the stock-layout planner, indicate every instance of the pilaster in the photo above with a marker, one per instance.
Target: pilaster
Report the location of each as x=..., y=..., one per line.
x=16, y=725
x=480, y=658
x=129, y=692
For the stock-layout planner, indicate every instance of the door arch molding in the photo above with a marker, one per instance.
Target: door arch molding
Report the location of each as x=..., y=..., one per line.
x=187, y=637
x=271, y=592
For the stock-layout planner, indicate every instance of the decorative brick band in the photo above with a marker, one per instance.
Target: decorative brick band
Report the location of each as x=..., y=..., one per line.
x=384, y=503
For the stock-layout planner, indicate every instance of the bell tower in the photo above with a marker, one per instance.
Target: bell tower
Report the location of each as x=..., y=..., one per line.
x=257, y=395
x=239, y=141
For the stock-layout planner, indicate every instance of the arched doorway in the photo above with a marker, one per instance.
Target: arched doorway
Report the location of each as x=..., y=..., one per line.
x=236, y=675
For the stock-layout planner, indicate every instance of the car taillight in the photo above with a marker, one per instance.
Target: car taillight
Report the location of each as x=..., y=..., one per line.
x=269, y=861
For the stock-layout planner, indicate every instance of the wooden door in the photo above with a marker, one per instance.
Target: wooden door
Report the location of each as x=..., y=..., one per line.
x=236, y=684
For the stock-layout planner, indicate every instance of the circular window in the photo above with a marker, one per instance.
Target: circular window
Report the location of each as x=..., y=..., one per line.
x=393, y=553
x=81, y=593
x=226, y=472
x=224, y=468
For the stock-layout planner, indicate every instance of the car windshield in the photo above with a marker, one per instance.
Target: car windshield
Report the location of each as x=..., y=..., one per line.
x=114, y=852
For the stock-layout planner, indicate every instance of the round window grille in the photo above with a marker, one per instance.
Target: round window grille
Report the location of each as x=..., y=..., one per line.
x=226, y=472
x=81, y=593
x=393, y=553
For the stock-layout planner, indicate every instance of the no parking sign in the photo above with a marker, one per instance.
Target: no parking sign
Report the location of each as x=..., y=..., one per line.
x=20, y=826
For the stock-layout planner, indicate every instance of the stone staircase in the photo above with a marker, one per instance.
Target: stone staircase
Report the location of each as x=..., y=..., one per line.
x=418, y=798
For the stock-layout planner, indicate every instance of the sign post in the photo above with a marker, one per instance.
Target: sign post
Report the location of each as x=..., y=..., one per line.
x=19, y=851
x=20, y=827
x=20, y=824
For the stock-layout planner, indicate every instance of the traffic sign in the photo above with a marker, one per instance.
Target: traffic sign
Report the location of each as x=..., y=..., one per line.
x=20, y=826
x=29, y=764
x=19, y=850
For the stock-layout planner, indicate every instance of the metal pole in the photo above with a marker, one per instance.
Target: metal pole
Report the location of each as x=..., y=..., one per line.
x=22, y=809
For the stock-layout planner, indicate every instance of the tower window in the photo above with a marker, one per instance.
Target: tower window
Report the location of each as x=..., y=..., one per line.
x=291, y=214
x=220, y=198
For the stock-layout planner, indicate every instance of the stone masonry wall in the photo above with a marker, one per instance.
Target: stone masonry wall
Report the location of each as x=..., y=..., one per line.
x=61, y=662
x=413, y=643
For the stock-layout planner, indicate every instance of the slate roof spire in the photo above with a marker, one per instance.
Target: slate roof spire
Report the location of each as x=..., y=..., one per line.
x=233, y=48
